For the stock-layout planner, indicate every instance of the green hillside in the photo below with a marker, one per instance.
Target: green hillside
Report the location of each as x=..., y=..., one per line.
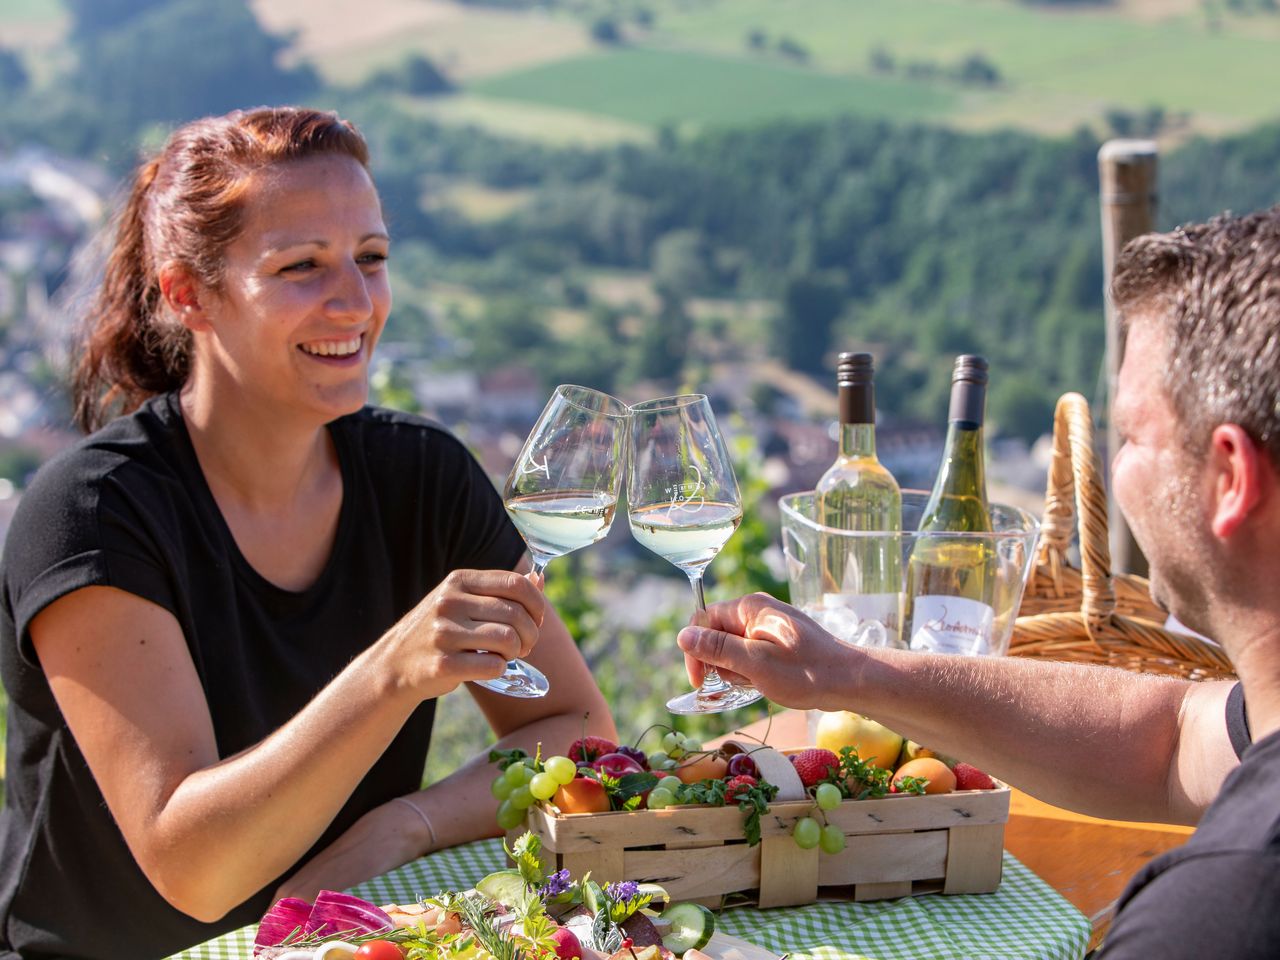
x=656, y=86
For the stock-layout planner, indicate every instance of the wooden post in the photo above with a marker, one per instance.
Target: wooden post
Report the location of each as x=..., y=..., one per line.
x=1127, y=191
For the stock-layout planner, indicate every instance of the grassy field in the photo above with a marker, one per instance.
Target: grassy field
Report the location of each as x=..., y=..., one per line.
x=1059, y=69
x=648, y=86
x=1095, y=57
x=532, y=121
x=538, y=75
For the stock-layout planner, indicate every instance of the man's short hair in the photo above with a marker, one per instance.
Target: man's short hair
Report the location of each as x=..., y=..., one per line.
x=1214, y=289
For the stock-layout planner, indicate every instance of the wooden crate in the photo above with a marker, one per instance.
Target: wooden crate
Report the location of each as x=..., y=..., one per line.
x=897, y=846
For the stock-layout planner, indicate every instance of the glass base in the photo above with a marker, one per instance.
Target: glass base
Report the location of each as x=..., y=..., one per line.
x=518, y=680
x=731, y=697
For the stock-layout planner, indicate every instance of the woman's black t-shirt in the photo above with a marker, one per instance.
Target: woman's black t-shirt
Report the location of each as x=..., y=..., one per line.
x=129, y=508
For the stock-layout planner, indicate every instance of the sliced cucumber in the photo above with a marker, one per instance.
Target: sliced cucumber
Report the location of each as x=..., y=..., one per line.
x=691, y=927
x=503, y=886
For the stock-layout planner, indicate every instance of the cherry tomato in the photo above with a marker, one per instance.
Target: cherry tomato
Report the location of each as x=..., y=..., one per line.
x=379, y=950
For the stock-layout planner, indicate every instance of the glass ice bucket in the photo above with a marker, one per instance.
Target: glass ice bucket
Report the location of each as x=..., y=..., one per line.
x=873, y=600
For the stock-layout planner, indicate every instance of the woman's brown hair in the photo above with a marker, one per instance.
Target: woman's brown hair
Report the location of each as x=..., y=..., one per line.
x=185, y=206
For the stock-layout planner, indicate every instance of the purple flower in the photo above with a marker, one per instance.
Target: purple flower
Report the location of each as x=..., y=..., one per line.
x=622, y=892
x=556, y=884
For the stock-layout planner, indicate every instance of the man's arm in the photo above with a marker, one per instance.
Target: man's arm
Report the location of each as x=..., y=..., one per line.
x=1105, y=742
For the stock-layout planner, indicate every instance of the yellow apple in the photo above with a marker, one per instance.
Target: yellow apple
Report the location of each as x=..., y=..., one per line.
x=874, y=742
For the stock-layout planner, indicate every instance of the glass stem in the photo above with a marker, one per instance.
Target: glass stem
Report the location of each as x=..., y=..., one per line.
x=712, y=683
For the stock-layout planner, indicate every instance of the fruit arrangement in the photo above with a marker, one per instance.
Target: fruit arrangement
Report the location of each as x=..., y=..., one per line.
x=527, y=913
x=597, y=776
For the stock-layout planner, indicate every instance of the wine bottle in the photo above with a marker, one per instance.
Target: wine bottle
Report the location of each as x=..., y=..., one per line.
x=857, y=493
x=951, y=580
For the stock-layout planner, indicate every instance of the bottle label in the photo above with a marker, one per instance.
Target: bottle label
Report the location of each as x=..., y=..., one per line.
x=941, y=624
x=882, y=608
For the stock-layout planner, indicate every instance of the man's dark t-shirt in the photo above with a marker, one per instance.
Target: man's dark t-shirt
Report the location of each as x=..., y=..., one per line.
x=1219, y=894
x=129, y=508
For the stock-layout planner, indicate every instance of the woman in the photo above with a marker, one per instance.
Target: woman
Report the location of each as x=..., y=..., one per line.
x=227, y=613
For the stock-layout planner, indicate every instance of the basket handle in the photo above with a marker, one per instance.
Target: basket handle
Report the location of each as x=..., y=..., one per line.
x=1074, y=491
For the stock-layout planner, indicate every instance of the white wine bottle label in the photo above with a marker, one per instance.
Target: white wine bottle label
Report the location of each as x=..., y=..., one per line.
x=941, y=624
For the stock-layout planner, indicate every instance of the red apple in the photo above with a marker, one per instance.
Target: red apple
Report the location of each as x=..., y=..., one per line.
x=616, y=765
x=567, y=945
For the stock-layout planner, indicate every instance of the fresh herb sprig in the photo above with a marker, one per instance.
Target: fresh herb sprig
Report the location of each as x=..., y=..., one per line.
x=860, y=779
x=525, y=854
x=753, y=801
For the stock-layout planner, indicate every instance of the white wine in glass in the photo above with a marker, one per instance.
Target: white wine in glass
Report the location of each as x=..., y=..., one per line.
x=684, y=505
x=562, y=492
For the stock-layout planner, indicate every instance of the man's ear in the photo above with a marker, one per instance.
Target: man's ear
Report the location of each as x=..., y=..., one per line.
x=1242, y=478
x=184, y=295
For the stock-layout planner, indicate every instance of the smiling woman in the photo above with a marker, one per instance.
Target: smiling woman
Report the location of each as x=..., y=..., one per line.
x=228, y=612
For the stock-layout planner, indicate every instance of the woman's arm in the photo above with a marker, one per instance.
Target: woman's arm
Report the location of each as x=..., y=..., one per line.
x=460, y=807
x=209, y=832
x=1105, y=742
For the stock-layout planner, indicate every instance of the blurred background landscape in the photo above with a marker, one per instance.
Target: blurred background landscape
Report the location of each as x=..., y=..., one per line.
x=648, y=196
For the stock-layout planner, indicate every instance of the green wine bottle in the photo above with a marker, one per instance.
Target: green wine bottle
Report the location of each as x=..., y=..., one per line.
x=951, y=580
x=857, y=493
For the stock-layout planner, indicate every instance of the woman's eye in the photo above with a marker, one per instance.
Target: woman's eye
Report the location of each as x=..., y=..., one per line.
x=300, y=267
x=373, y=258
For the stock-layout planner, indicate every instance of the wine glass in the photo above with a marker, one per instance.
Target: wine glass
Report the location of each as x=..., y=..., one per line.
x=562, y=492
x=683, y=504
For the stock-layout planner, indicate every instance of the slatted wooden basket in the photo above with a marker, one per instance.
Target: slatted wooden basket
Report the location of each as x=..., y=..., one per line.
x=896, y=846
x=1089, y=614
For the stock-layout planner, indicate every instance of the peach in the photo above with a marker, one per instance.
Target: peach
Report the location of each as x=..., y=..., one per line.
x=939, y=775
x=582, y=795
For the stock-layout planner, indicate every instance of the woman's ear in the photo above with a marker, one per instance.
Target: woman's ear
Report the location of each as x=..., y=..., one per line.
x=1241, y=478
x=184, y=295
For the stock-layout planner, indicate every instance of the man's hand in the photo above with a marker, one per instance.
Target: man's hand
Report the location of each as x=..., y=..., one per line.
x=775, y=648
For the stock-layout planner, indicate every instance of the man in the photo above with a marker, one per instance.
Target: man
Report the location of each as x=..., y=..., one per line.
x=1198, y=477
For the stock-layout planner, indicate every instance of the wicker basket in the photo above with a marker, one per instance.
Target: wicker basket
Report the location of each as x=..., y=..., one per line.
x=1089, y=615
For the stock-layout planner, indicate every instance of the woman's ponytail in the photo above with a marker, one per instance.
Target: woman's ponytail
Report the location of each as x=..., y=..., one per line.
x=127, y=357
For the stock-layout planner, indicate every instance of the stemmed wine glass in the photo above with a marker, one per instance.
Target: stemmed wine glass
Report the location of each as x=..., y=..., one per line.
x=683, y=504
x=563, y=491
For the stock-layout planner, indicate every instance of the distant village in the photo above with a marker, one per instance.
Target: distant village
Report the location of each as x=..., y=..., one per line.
x=52, y=208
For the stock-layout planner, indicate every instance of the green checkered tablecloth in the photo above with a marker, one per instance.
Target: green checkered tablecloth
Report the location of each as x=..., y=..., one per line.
x=1025, y=920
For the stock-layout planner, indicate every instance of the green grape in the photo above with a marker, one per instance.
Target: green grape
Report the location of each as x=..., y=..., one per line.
x=692, y=746
x=543, y=786
x=561, y=768
x=500, y=788
x=509, y=815
x=658, y=760
x=806, y=833
x=521, y=797
x=831, y=839
x=659, y=799
x=671, y=740
x=514, y=774
x=527, y=772
x=828, y=796
x=671, y=784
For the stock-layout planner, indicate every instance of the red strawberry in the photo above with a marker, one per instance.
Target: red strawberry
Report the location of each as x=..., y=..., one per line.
x=739, y=784
x=969, y=777
x=815, y=765
x=589, y=749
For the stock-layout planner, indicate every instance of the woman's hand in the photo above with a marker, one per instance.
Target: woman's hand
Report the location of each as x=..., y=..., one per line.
x=773, y=647
x=381, y=840
x=467, y=628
